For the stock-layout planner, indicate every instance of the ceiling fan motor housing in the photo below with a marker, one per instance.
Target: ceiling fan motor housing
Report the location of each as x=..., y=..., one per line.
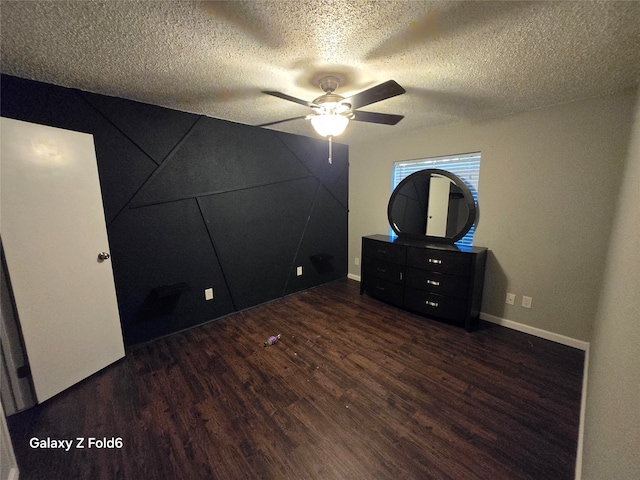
x=329, y=83
x=331, y=103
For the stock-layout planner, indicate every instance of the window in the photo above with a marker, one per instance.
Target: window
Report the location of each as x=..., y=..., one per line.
x=466, y=166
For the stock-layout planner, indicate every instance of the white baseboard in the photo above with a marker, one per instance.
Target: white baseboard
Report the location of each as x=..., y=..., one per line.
x=554, y=337
x=583, y=407
x=571, y=342
x=537, y=332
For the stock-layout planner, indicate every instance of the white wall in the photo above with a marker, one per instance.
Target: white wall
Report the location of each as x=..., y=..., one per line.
x=612, y=418
x=549, y=179
x=8, y=465
x=16, y=393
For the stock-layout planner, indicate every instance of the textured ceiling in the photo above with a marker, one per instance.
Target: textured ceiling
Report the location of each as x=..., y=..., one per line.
x=458, y=61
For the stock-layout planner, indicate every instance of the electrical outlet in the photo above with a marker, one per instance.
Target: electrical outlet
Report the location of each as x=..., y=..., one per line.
x=526, y=302
x=357, y=261
x=511, y=298
x=208, y=294
x=299, y=271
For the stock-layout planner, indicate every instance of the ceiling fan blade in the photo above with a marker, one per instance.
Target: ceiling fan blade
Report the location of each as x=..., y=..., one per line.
x=446, y=20
x=284, y=96
x=281, y=121
x=373, y=117
x=376, y=94
x=249, y=20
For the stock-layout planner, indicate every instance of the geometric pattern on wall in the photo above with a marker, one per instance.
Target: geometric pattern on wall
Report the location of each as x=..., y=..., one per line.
x=256, y=233
x=322, y=251
x=340, y=190
x=155, y=130
x=194, y=202
x=217, y=157
x=314, y=154
x=117, y=154
x=164, y=261
x=46, y=104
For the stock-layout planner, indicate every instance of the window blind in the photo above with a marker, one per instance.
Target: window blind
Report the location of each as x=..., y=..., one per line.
x=466, y=166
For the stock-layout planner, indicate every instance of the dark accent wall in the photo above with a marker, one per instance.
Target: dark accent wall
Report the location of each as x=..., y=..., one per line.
x=193, y=202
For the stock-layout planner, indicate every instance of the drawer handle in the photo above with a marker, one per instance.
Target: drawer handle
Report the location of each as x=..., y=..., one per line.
x=437, y=261
x=432, y=304
x=433, y=282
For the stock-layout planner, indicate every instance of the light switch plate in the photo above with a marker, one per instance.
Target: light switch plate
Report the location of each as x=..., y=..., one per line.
x=299, y=271
x=208, y=294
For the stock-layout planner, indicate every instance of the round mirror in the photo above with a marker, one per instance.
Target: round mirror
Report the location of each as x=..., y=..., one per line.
x=432, y=204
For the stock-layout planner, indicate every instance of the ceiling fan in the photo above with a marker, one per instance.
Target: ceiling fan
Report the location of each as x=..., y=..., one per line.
x=332, y=112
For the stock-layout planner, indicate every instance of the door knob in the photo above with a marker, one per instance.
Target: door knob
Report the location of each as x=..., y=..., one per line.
x=103, y=256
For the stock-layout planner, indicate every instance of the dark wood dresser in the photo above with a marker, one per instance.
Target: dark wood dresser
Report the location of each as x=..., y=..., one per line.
x=436, y=280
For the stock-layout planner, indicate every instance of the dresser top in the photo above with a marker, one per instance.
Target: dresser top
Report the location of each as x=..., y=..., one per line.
x=423, y=244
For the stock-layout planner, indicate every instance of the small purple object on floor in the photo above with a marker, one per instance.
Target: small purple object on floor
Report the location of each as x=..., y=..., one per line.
x=272, y=339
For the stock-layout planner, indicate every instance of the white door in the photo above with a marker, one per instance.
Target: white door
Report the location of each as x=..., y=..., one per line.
x=438, y=206
x=53, y=229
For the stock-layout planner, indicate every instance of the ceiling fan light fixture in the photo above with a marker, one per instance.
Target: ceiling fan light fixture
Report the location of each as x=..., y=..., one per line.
x=332, y=112
x=329, y=125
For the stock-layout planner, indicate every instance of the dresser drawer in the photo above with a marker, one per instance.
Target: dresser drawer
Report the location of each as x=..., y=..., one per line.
x=454, y=263
x=384, y=290
x=384, y=270
x=436, y=305
x=439, y=283
x=385, y=251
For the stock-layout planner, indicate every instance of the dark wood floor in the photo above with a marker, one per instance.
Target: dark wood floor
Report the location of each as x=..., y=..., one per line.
x=355, y=390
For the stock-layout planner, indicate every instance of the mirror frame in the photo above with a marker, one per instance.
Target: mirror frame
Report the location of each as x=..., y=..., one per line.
x=458, y=182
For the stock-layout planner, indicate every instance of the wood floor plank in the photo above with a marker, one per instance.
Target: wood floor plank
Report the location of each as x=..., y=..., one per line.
x=355, y=389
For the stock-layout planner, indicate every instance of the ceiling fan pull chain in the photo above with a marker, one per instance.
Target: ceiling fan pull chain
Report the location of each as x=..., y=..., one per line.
x=330, y=150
